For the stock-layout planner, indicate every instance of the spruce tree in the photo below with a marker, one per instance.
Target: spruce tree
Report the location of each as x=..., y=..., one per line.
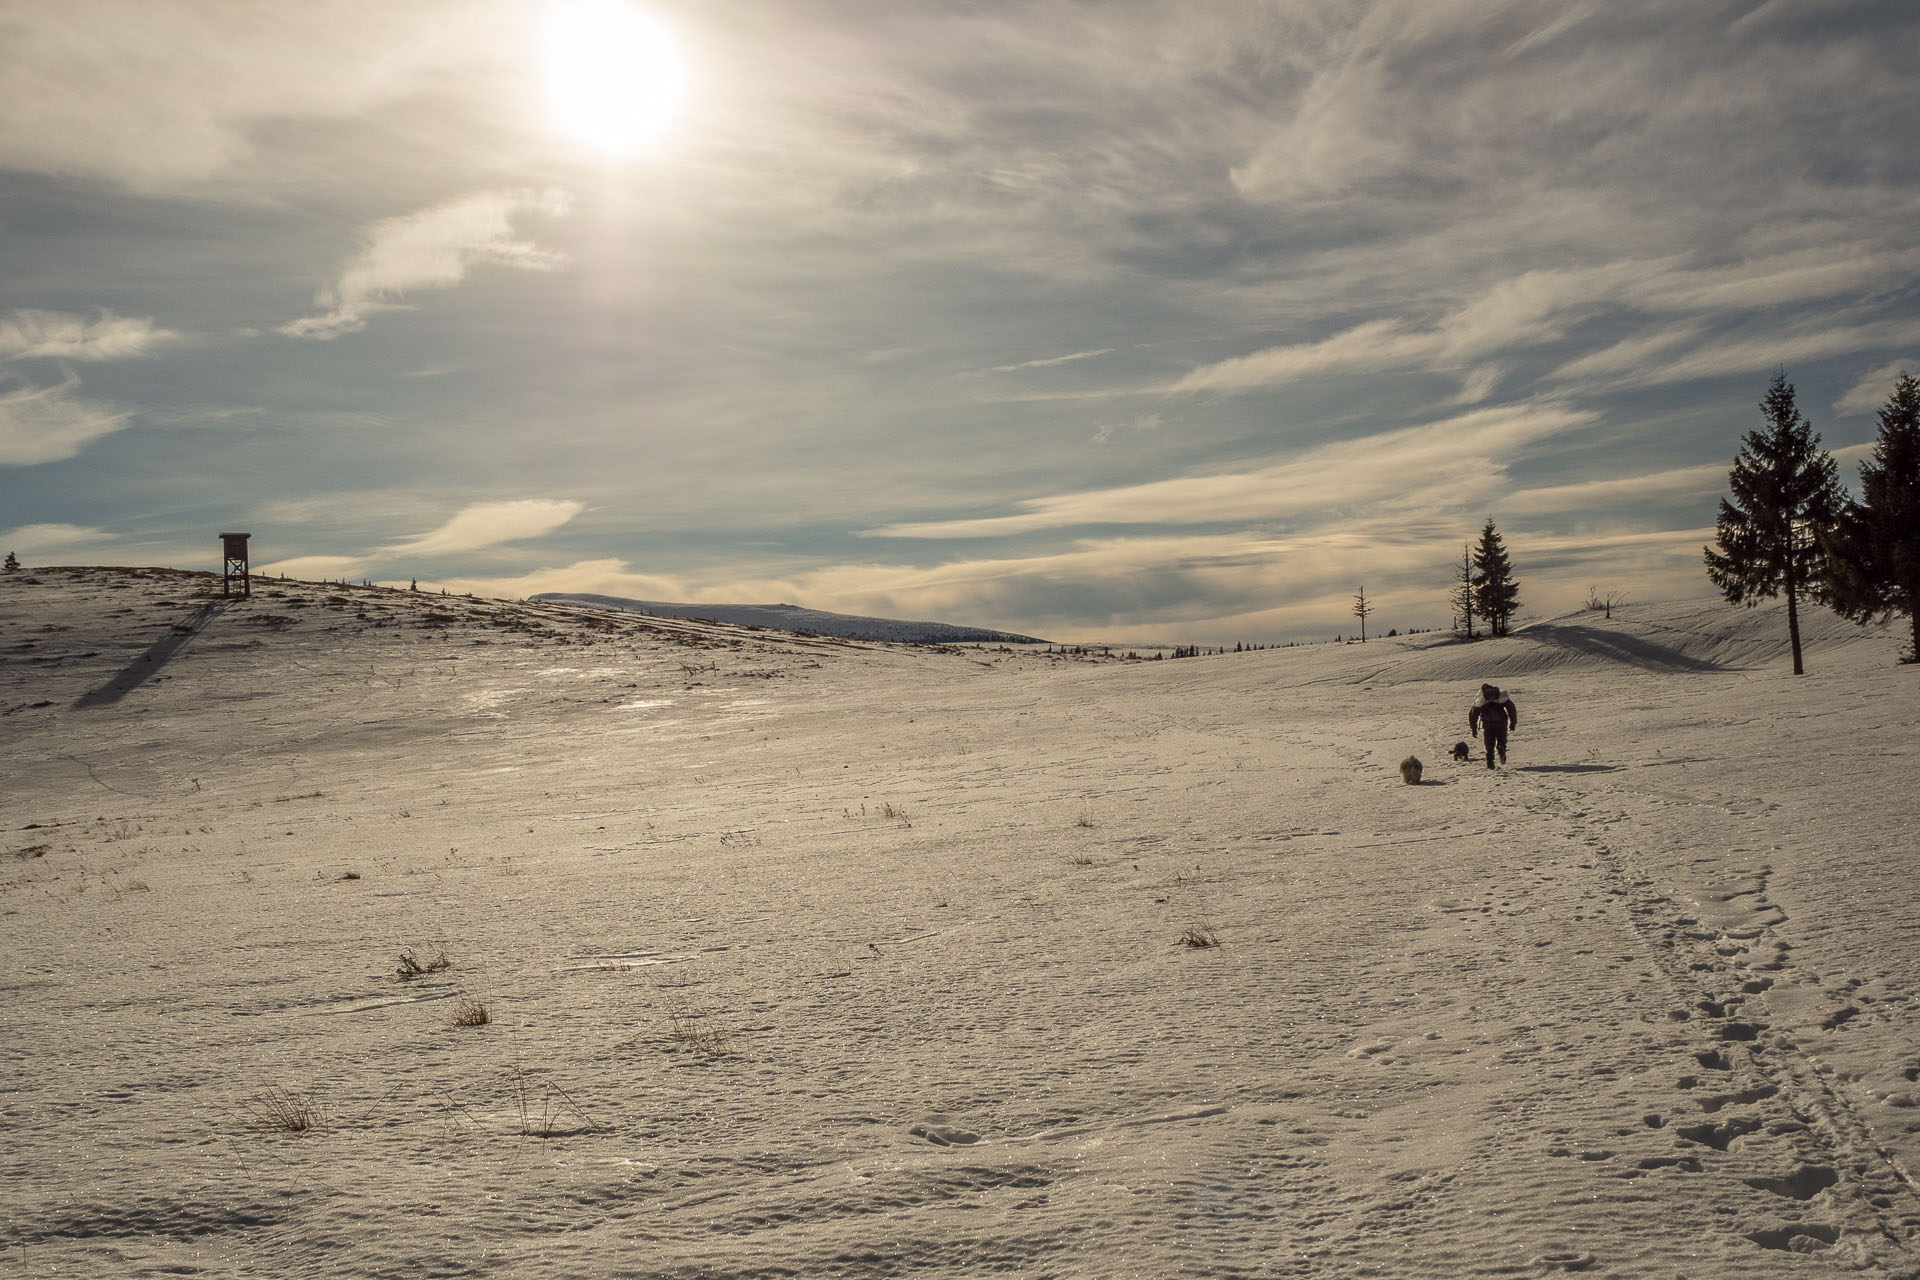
x=1873, y=550
x=1463, y=592
x=1361, y=608
x=1494, y=589
x=1786, y=496
x=13, y=562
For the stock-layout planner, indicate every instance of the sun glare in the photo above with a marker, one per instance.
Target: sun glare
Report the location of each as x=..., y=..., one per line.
x=615, y=75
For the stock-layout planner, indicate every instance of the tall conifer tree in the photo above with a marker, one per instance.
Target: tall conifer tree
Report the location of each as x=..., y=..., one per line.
x=1873, y=551
x=1494, y=588
x=1786, y=497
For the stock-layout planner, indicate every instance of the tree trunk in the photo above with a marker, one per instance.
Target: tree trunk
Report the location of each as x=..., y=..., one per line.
x=1793, y=626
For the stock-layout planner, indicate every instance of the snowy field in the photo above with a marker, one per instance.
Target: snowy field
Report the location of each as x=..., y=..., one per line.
x=804, y=957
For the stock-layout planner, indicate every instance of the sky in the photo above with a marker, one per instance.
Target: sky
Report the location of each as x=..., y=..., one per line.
x=1117, y=321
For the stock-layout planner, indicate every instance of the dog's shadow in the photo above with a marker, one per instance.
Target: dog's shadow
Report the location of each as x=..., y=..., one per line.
x=1429, y=782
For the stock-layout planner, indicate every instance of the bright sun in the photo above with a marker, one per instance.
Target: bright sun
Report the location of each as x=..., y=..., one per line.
x=615, y=75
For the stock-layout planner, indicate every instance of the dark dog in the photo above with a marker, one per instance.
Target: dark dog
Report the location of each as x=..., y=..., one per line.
x=1460, y=751
x=1410, y=771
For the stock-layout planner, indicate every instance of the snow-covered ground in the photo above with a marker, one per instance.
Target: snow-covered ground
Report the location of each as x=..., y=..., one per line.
x=809, y=958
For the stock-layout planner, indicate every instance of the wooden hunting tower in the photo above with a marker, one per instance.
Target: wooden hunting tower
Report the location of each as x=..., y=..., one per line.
x=235, y=547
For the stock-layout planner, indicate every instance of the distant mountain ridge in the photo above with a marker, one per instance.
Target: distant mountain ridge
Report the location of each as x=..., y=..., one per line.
x=792, y=617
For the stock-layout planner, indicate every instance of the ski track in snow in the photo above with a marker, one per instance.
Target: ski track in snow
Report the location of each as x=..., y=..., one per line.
x=825, y=958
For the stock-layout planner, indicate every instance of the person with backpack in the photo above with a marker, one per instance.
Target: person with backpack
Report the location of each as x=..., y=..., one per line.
x=1492, y=716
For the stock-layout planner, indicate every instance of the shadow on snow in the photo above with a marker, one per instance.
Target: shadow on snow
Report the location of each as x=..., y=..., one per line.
x=143, y=667
x=1614, y=647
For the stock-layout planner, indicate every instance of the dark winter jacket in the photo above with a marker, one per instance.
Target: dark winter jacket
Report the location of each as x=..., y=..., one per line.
x=1497, y=707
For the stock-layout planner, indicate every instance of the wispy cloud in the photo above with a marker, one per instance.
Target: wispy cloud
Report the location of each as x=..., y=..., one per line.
x=48, y=424
x=1107, y=431
x=1541, y=307
x=318, y=567
x=487, y=524
x=1370, y=347
x=32, y=334
x=1448, y=463
x=1872, y=391
x=1509, y=314
x=474, y=527
x=1612, y=495
x=1514, y=314
x=35, y=538
x=1549, y=31
x=1755, y=351
x=160, y=94
x=1337, y=139
x=1639, y=351
x=1537, y=307
x=1849, y=456
x=1050, y=361
x=1480, y=383
x=432, y=249
x=1802, y=275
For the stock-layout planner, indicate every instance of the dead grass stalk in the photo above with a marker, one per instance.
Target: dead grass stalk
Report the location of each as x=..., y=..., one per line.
x=278, y=1110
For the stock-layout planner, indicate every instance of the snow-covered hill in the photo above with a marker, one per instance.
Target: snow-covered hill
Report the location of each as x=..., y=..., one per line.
x=817, y=957
x=791, y=617
x=1674, y=637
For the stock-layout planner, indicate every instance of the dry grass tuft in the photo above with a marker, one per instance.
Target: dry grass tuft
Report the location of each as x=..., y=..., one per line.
x=414, y=966
x=1085, y=819
x=1200, y=937
x=541, y=1117
x=468, y=1012
x=278, y=1111
x=690, y=1027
